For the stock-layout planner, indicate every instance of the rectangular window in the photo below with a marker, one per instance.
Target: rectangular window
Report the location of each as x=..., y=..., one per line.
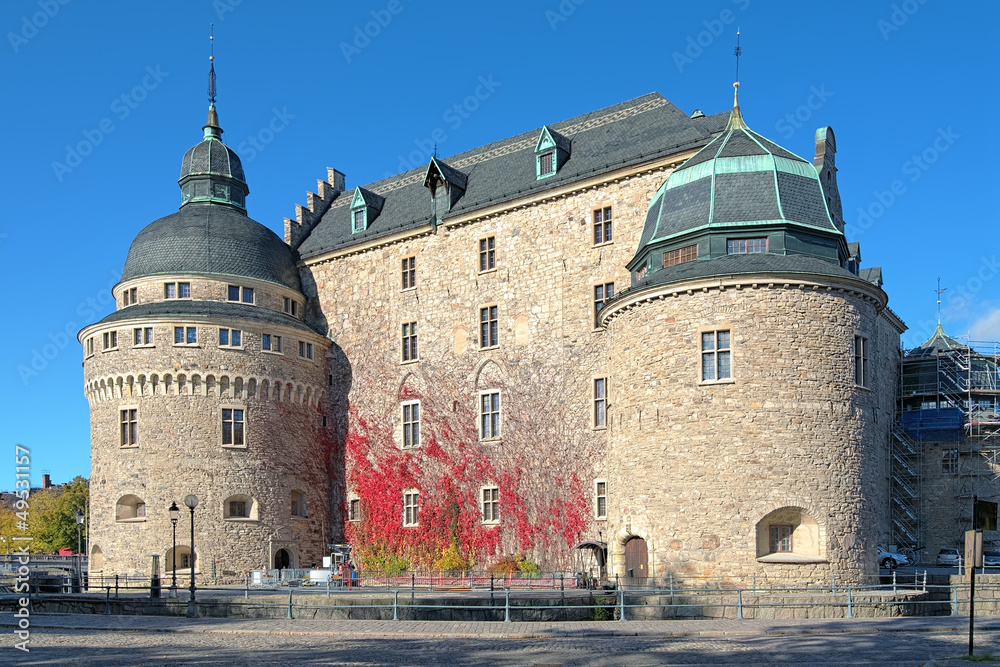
x=140, y=509
x=129, y=425
x=491, y=504
x=110, y=340
x=237, y=293
x=545, y=164
x=602, y=225
x=183, y=290
x=232, y=426
x=862, y=374
x=781, y=539
x=600, y=402
x=169, y=290
x=185, y=335
x=234, y=293
x=305, y=350
x=230, y=338
x=142, y=336
x=741, y=246
x=270, y=343
x=288, y=305
x=90, y=346
x=129, y=296
x=411, y=424
x=680, y=256
x=602, y=294
x=949, y=462
x=488, y=334
x=354, y=509
x=247, y=295
x=359, y=220
x=238, y=509
x=600, y=500
x=295, y=308
x=410, y=341
x=409, y=272
x=411, y=504
x=489, y=415
x=487, y=254
x=715, y=355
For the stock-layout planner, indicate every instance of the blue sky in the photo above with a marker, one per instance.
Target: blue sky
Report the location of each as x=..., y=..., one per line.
x=102, y=102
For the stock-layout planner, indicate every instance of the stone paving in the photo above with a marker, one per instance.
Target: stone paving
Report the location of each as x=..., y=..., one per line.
x=120, y=641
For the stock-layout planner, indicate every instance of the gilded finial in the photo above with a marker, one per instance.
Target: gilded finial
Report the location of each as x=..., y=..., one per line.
x=212, y=129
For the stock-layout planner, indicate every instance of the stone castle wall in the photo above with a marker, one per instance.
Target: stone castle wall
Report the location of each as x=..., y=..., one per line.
x=695, y=468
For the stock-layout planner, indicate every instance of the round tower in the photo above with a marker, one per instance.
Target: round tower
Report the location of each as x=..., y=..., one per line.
x=748, y=367
x=207, y=380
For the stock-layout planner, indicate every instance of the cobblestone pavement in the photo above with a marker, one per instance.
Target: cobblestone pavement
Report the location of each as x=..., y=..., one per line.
x=111, y=641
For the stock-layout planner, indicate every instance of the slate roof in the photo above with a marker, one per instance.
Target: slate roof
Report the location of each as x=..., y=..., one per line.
x=872, y=274
x=939, y=343
x=212, y=156
x=738, y=178
x=625, y=134
x=213, y=239
x=192, y=310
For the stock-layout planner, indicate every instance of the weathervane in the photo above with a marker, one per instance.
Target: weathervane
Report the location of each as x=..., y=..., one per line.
x=211, y=66
x=939, y=292
x=737, y=52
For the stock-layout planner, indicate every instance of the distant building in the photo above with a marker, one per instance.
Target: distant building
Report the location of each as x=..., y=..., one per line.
x=636, y=330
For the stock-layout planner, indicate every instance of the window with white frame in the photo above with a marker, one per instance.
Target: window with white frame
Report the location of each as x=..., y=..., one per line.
x=744, y=246
x=716, y=356
x=862, y=372
x=240, y=294
x=489, y=415
x=600, y=499
x=129, y=427
x=270, y=343
x=230, y=338
x=176, y=290
x=142, y=336
x=411, y=424
x=110, y=340
x=185, y=335
x=305, y=350
x=491, y=504
x=600, y=398
x=409, y=341
x=411, y=505
x=489, y=335
x=233, y=427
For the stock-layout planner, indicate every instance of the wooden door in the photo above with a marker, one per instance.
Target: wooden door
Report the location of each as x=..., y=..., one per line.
x=636, y=559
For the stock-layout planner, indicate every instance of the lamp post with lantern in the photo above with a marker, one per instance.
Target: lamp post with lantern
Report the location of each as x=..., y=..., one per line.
x=191, y=501
x=175, y=514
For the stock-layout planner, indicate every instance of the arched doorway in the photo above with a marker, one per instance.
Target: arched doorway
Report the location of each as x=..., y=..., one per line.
x=282, y=560
x=636, y=559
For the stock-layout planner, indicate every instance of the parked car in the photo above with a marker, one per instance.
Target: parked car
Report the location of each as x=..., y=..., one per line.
x=949, y=557
x=991, y=559
x=891, y=560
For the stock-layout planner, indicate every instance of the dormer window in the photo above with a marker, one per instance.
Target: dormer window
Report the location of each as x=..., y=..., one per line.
x=365, y=207
x=359, y=221
x=551, y=153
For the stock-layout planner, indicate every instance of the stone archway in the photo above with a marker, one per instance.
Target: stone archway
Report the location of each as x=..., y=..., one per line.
x=282, y=560
x=617, y=547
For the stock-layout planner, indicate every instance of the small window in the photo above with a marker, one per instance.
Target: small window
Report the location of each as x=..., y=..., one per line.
x=862, y=372
x=602, y=225
x=491, y=504
x=242, y=294
x=409, y=272
x=410, y=341
x=411, y=505
x=89, y=346
x=238, y=509
x=546, y=164
x=781, y=539
x=142, y=336
x=641, y=272
x=170, y=290
x=602, y=294
x=360, y=219
x=299, y=504
x=129, y=427
x=305, y=350
x=411, y=424
x=489, y=415
x=270, y=343
x=488, y=334
x=130, y=508
x=177, y=290
x=600, y=402
x=129, y=296
x=680, y=256
x=354, y=509
x=110, y=340
x=949, y=462
x=487, y=254
x=185, y=335
x=232, y=427
x=743, y=246
x=230, y=338
x=291, y=307
x=600, y=499
x=715, y=356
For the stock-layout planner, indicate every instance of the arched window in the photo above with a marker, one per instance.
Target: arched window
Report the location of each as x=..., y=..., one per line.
x=789, y=534
x=239, y=507
x=96, y=559
x=130, y=508
x=183, y=562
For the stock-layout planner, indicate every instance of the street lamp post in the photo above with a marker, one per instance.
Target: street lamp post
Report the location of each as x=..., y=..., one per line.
x=79, y=558
x=175, y=513
x=191, y=501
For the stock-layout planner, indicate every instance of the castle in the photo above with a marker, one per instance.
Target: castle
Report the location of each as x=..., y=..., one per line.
x=637, y=329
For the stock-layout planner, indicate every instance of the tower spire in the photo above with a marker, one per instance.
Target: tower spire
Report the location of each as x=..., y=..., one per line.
x=212, y=129
x=939, y=292
x=736, y=117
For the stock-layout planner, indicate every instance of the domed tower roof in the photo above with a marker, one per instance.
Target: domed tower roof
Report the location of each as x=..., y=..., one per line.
x=212, y=171
x=739, y=186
